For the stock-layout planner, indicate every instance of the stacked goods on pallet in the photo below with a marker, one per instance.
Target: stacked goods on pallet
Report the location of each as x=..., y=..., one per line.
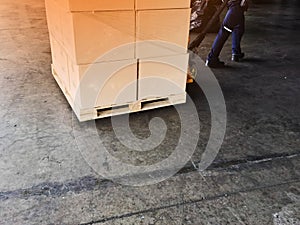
x=80, y=33
x=83, y=32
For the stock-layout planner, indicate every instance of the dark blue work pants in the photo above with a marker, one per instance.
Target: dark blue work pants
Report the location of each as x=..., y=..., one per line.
x=234, y=23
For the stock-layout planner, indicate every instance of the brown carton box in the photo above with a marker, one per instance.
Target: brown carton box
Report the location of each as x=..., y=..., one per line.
x=60, y=62
x=54, y=19
x=96, y=5
x=162, y=76
x=88, y=36
x=94, y=85
x=162, y=4
x=166, y=32
x=103, y=84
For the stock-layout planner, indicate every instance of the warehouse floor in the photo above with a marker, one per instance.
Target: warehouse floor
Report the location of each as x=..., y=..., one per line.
x=255, y=178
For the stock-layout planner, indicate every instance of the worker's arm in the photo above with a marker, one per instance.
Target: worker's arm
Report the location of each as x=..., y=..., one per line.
x=244, y=5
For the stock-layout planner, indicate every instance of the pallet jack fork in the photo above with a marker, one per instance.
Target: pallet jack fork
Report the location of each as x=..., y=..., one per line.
x=193, y=46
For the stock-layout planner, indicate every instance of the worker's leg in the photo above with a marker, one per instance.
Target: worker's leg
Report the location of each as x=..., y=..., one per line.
x=218, y=44
x=222, y=36
x=237, y=35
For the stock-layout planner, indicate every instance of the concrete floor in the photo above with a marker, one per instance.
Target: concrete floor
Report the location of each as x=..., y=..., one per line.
x=254, y=180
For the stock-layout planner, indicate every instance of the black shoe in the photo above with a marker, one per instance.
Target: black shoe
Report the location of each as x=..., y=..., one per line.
x=215, y=64
x=237, y=57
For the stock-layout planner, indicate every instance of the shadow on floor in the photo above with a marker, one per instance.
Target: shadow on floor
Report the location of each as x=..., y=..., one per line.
x=254, y=60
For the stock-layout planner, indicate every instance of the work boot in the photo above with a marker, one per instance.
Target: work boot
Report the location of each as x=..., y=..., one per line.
x=215, y=63
x=237, y=57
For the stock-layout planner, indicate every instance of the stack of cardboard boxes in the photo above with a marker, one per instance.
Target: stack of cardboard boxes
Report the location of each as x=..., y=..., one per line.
x=115, y=46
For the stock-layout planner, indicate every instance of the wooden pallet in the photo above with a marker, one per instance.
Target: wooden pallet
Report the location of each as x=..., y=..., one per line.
x=113, y=110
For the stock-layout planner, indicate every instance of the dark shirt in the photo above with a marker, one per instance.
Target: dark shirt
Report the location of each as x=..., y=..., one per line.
x=232, y=3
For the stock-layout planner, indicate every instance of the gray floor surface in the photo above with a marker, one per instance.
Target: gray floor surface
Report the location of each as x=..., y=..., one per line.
x=254, y=180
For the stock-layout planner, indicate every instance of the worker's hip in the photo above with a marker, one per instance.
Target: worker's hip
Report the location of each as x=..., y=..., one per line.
x=234, y=17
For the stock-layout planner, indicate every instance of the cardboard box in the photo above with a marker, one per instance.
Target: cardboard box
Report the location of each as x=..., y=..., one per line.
x=88, y=36
x=162, y=4
x=95, y=85
x=95, y=5
x=54, y=19
x=60, y=62
x=162, y=76
x=166, y=32
x=103, y=84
